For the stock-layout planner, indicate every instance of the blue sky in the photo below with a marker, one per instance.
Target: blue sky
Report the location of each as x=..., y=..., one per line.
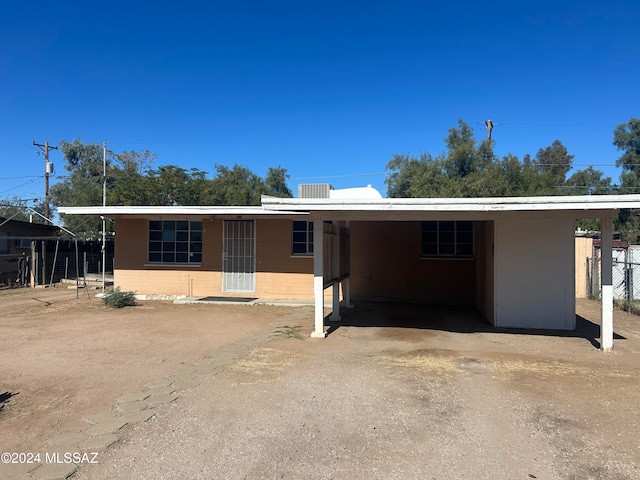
x=328, y=90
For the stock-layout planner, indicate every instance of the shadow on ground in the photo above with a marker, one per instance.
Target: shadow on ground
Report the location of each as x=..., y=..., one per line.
x=457, y=319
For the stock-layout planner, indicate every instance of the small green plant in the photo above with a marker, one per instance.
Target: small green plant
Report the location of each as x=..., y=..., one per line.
x=288, y=331
x=118, y=299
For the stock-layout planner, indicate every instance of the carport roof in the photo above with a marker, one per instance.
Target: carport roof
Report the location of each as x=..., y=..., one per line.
x=580, y=206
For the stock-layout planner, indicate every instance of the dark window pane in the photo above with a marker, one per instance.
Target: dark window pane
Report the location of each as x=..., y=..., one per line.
x=196, y=258
x=299, y=226
x=168, y=225
x=168, y=257
x=196, y=236
x=299, y=237
x=429, y=226
x=446, y=249
x=196, y=247
x=430, y=249
x=155, y=235
x=465, y=226
x=155, y=246
x=182, y=257
x=430, y=237
x=182, y=225
x=168, y=235
x=196, y=226
x=182, y=247
x=465, y=237
x=446, y=237
x=447, y=226
x=182, y=236
x=155, y=225
x=168, y=246
x=299, y=248
x=154, y=257
x=464, y=249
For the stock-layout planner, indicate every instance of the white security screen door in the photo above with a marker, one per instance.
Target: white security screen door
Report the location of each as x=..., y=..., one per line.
x=239, y=256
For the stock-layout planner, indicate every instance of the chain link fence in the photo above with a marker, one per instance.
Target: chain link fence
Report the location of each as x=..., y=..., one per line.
x=626, y=279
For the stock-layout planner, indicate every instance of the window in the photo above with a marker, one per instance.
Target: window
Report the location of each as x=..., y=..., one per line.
x=302, y=238
x=4, y=243
x=447, y=239
x=175, y=241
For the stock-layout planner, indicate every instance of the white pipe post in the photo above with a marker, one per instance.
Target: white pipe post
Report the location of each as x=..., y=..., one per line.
x=104, y=222
x=318, y=279
x=606, y=278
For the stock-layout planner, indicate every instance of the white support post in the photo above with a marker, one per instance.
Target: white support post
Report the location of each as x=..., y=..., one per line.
x=318, y=279
x=335, y=262
x=347, y=292
x=606, y=278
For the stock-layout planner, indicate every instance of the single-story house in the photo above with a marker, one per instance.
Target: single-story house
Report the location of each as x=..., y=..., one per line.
x=511, y=258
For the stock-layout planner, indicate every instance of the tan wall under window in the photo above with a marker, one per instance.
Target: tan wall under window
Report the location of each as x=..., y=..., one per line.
x=278, y=273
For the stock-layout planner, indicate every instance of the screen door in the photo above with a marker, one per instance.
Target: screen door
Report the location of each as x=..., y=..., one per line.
x=239, y=256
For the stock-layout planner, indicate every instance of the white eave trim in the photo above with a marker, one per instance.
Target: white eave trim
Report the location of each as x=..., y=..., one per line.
x=204, y=211
x=582, y=202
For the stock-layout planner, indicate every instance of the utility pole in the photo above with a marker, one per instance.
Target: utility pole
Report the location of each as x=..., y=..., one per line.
x=48, y=169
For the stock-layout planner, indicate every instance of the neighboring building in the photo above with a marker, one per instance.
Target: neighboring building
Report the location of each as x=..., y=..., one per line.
x=15, y=247
x=511, y=258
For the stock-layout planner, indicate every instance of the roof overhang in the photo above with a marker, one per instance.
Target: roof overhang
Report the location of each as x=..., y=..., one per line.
x=582, y=206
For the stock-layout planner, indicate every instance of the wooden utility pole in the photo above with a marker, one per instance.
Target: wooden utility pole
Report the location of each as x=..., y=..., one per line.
x=48, y=169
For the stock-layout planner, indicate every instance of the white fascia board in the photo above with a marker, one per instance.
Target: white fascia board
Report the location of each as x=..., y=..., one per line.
x=583, y=202
x=160, y=210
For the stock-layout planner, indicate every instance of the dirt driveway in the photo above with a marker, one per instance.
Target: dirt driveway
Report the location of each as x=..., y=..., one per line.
x=242, y=392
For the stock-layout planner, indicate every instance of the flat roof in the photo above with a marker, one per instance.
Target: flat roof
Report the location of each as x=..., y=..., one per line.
x=381, y=208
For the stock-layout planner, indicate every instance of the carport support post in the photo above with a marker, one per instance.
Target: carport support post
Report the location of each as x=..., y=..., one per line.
x=606, y=257
x=318, y=279
x=335, y=308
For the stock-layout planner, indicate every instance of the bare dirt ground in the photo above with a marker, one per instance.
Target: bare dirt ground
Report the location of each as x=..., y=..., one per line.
x=411, y=392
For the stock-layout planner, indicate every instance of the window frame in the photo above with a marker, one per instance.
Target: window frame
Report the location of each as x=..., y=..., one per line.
x=173, y=244
x=296, y=238
x=5, y=241
x=451, y=239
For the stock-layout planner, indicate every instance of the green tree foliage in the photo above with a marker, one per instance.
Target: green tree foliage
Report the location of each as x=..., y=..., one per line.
x=471, y=169
x=626, y=137
x=130, y=180
x=20, y=209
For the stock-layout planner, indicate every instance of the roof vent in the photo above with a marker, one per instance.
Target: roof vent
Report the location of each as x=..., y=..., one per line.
x=314, y=190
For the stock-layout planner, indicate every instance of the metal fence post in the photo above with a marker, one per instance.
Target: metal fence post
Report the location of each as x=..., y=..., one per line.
x=630, y=287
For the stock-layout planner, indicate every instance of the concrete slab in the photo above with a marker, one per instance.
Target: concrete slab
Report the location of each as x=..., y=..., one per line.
x=182, y=383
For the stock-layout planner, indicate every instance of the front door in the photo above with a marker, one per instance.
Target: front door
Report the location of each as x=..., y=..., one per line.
x=239, y=256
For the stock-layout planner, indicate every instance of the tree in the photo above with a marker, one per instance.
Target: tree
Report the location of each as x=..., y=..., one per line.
x=276, y=182
x=82, y=187
x=236, y=186
x=18, y=209
x=626, y=137
x=589, y=182
x=554, y=161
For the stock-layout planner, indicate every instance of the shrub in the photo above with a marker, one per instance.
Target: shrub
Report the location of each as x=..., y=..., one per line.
x=118, y=299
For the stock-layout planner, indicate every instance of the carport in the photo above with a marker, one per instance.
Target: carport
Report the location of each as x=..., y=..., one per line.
x=522, y=272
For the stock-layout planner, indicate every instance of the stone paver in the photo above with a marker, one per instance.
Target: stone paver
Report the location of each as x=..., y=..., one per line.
x=143, y=416
x=133, y=406
x=70, y=438
x=105, y=416
x=54, y=471
x=162, y=390
x=103, y=428
x=16, y=470
x=98, y=443
x=133, y=397
x=181, y=383
x=160, y=399
x=163, y=382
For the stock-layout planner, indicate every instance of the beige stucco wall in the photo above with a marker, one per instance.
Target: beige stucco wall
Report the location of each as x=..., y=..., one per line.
x=584, y=249
x=386, y=264
x=278, y=274
x=534, y=273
